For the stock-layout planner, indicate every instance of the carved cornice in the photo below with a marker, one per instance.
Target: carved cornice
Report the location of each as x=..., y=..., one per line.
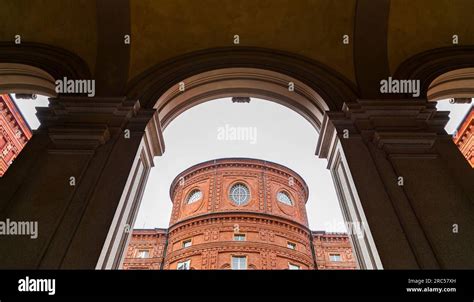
x=396, y=126
x=247, y=163
x=156, y=81
x=263, y=229
x=90, y=122
x=212, y=218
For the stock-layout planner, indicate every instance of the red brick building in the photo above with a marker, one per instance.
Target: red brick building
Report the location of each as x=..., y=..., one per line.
x=14, y=132
x=146, y=249
x=238, y=214
x=464, y=138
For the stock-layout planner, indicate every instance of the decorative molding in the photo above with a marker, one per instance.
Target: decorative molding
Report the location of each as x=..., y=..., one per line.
x=241, y=163
x=21, y=78
x=428, y=65
x=55, y=61
x=396, y=126
x=331, y=86
x=455, y=85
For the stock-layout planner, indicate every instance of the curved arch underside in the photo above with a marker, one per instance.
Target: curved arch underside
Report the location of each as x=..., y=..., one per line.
x=246, y=82
x=21, y=78
x=331, y=86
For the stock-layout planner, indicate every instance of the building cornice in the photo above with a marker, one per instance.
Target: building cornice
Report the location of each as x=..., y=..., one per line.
x=237, y=216
x=238, y=162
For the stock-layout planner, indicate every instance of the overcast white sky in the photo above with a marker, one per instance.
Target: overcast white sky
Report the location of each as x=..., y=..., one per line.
x=281, y=137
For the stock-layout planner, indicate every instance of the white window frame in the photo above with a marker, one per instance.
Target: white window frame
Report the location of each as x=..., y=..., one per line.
x=144, y=252
x=237, y=198
x=241, y=236
x=334, y=257
x=184, y=266
x=239, y=266
x=192, y=194
x=288, y=202
x=185, y=243
x=292, y=266
x=291, y=245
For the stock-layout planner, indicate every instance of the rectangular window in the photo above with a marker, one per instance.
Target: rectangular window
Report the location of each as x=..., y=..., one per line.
x=143, y=254
x=182, y=266
x=293, y=266
x=239, y=262
x=187, y=243
x=291, y=245
x=335, y=257
x=239, y=237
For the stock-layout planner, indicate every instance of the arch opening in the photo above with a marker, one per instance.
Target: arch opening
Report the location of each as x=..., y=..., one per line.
x=275, y=87
x=243, y=82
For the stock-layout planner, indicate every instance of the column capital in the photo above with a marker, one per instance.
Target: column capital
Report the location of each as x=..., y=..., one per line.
x=90, y=122
x=396, y=126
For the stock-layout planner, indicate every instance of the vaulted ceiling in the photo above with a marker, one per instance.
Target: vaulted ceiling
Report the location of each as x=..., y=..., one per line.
x=382, y=33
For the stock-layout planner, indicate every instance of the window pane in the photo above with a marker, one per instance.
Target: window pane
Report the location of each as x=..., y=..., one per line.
x=284, y=198
x=293, y=267
x=239, y=237
x=184, y=265
x=143, y=254
x=239, y=262
x=194, y=196
x=239, y=194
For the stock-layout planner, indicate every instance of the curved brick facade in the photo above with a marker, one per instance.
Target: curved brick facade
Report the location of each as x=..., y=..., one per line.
x=214, y=224
x=209, y=230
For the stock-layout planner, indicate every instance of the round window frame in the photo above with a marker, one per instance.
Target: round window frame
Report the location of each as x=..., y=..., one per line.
x=249, y=196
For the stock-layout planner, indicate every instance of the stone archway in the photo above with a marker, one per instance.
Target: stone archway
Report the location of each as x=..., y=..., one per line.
x=272, y=86
x=246, y=82
x=369, y=145
x=455, y=84
x=427, y=66
x=370, y=150
x=21, y=78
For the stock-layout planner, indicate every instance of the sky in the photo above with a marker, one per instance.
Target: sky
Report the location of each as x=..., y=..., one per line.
x=279, y=135
x=456, y=115
x=28, y=109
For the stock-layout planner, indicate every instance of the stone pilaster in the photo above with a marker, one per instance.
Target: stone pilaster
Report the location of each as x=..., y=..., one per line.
x=380, y=153
x=81, y=177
